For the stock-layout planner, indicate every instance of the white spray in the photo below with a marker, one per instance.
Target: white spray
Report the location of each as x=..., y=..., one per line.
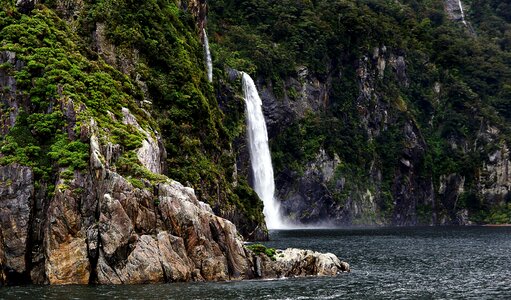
x=209, y=62
x=264, y=184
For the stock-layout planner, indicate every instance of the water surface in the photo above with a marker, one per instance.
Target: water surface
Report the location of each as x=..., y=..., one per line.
x=387, y=263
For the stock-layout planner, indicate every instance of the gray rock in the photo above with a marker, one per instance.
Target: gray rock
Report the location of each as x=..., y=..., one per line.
x=149, y=154
x=452, y=7
x=115, y=227
x=297, y=262
x=16, y=197
x=11, y=97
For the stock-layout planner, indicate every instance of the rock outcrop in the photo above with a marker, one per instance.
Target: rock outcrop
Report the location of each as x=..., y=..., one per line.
x=99, y=228
x=296, y=262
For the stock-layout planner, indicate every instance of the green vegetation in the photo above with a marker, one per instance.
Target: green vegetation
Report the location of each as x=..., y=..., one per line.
x=335, y=40
x=261, y=249
x=57, y=79
x=69, y=77
x=499, y=215
x=109, y=55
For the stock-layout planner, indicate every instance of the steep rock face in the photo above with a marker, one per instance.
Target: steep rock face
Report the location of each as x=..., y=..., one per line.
x=152, y=154
x=450, y=189
x=454, y=9
x=310, y=199
x=70, y=213
x=16, y=197
x=409, y=188
x=199, y=9
x=12, y=97
x=322, y=192
x=495, y=176
x=302, y=95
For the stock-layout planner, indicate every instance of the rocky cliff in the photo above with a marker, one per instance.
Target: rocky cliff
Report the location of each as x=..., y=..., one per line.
x=183, y=132
x=379, y=112
x=102, y=229
x=93, y=126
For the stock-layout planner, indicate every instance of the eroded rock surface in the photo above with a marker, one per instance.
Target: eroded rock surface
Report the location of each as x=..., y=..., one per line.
x=16, y=193
x=99, y=228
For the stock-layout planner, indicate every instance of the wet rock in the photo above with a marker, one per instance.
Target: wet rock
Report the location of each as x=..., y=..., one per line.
x=198, y=9
x=70, y=116
x=452, y=7
x=410, y=191
x=297, y=262
x=450, y=189
x=11, y=98
x=233, y=74
x=308, y=199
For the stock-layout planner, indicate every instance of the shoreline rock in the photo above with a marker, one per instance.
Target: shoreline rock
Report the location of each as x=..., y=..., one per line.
x=100, y=229
x=294, y=262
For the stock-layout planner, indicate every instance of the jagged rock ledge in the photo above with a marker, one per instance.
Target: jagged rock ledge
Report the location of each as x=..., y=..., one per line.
x=135, y=240
x=99, y=228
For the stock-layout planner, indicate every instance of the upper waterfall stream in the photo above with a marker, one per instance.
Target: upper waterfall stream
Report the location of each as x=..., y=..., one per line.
x=209, y=61
x=462, y=13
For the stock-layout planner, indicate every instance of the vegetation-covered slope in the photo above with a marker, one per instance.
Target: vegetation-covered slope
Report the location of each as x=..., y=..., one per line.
x=66, y=63
x=410, y=104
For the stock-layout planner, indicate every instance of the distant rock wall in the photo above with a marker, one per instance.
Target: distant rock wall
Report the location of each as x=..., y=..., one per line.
x=319, y=194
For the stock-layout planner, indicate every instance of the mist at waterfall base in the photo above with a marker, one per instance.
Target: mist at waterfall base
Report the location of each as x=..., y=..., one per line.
x=386, y=263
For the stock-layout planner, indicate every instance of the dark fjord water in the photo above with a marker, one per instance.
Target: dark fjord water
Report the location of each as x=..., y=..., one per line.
x=387, y=263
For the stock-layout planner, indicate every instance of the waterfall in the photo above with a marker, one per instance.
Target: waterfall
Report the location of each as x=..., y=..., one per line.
x=462, y=13
x=209, y=62
x=264, y=184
